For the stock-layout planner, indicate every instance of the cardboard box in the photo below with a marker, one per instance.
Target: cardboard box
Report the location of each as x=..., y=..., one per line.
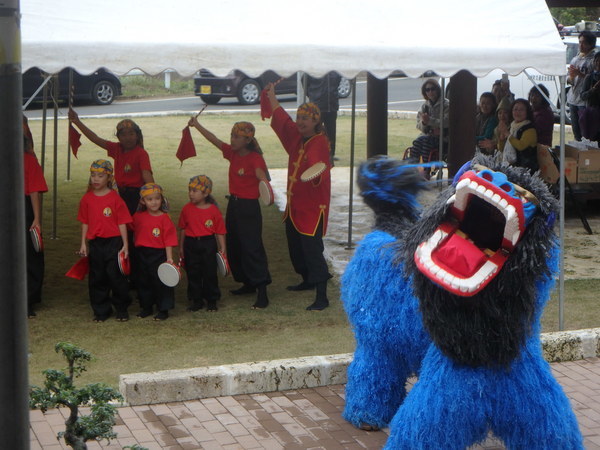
x=548, y=168
x=588, y=166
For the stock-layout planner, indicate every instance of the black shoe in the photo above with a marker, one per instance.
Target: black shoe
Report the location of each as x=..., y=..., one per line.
x=304, y=286
x=212, y=306
x=144, y=313
x=262, y=300
x=245, y=289
x=162, y=315
x=196, y=306
x=122, y=316
x=318, y=305
x=30, y=312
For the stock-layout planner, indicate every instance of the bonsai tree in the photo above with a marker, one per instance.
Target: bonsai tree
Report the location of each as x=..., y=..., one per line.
x=59, y=391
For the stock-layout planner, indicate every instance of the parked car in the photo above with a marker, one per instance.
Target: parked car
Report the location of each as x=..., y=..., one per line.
x=101, y=87
x=211, y=88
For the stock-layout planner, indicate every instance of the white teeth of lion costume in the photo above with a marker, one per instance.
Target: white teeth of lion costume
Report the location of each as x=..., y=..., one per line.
x=455, y=295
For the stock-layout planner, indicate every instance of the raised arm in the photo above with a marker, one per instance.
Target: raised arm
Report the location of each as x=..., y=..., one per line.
x=270, y=89
x=74, y=118
x=209, y=136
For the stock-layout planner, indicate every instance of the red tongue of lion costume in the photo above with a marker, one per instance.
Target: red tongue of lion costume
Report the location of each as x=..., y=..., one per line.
x=488, y=216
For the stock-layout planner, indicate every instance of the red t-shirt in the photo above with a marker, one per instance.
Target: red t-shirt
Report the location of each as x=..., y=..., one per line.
x=154, y=231
x=129, y=164
x=103, y=214
x=34, y=176
x=201, y=222
x=242, y=172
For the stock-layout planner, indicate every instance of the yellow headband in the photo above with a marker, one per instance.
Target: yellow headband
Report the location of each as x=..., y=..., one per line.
x=201, y=183
x=309, y=109
x=102, y=166
x=127, y=123
x=150, y=188
x=245, y=129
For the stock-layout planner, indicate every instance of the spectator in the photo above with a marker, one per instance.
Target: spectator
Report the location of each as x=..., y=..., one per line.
x=501, y=89
x=496, y=143
x=486, y=120
x=543, y=116
x=522, y=136
x=324, y=93
x=580, y=66
x=428, y=121
x=589, y=119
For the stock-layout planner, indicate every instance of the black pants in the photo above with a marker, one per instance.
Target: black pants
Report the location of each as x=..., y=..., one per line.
x=151, y=291
x=105, y=277
x=35, y=261
x=306, y=253
x=245, y=249
x=201, y=268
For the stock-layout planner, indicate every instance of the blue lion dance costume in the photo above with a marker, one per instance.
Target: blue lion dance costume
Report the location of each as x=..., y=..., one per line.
x=455, y=295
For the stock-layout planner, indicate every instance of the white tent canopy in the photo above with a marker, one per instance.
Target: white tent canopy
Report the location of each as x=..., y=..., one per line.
x=314, y=36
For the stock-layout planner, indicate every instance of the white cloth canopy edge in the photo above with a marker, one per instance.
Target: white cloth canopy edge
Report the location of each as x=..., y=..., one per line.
x=352, y=37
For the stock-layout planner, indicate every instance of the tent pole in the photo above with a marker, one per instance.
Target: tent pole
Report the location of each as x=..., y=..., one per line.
x=55, y=156
x=70, y=91
x=561, y=242
x=14, y=398
x=44, y=119
x=350, y=246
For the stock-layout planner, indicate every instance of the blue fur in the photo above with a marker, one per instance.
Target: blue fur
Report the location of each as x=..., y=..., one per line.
x=390, y=338
x=453, y=406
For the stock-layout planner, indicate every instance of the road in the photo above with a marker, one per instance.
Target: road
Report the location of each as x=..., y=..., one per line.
x=404, y=95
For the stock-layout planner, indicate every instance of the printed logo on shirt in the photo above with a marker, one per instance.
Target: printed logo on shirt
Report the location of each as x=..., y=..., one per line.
x=208, y=223
x=156, y=232
x=107, y=212
x=127, y=168
x=241, y=172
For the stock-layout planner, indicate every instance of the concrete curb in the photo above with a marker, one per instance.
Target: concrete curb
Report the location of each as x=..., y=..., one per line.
x=298, y=373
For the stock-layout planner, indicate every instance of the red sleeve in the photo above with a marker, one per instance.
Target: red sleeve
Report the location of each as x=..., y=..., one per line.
x=34, y=176
x=170, y=233
x=123, y=216
x=285, y=128
x=82, y=215
x=227, y=151
x=113, y=149
x=145, y=161
x=182, y=218
x=218, y=220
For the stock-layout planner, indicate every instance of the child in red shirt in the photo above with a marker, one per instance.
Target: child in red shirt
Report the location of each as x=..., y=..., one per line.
x=104, y=216
x=243, y=220
x=200, y=223
x=35, y=186
x=155, y=237
x=132, y=163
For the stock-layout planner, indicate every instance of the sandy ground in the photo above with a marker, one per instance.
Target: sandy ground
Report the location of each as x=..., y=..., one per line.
x=581, y=250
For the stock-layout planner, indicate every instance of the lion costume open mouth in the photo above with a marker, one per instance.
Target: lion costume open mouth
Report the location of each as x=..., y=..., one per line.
x=487, y=218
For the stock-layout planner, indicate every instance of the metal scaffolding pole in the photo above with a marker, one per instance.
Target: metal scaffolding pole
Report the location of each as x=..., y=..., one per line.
x=14, y=408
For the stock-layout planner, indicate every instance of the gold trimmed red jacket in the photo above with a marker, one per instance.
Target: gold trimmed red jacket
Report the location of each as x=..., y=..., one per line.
x=307, y=201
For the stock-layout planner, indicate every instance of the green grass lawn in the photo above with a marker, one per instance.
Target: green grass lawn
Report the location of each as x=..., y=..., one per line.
x=235, y=333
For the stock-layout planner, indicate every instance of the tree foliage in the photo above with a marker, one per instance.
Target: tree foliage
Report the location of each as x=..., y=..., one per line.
x=59, y=391
x=570, y=16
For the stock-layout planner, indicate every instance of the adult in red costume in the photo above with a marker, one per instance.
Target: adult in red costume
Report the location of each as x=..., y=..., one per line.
x=307, y=208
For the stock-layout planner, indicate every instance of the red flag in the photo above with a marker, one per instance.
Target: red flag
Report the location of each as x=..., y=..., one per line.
x=186, y=146
x=74, y=140
x=79, y=269
x=265, y=106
